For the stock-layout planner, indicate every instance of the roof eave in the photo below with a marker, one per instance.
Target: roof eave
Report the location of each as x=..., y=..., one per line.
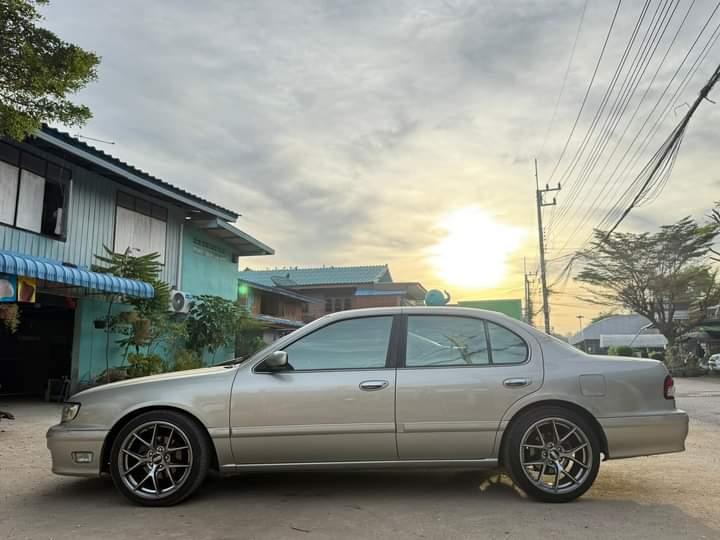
x=167, y=192
x=244, y=245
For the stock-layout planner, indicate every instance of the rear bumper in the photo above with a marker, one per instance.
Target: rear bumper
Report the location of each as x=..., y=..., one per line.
x=63, y=443
x=631, y=436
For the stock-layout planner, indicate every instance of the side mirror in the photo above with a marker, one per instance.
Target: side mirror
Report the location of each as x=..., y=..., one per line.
x=277, y=361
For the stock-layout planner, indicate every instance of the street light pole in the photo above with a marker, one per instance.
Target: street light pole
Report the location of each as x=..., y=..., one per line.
x=582, y=332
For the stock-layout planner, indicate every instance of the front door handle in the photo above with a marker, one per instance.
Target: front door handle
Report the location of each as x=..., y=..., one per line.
x=369, y=386
x=516, y=382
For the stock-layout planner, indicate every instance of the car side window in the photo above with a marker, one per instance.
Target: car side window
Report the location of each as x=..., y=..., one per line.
x=348, y=344
x=506, y=347
x=445, y=341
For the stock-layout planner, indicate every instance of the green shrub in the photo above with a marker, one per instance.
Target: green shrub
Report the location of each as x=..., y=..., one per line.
x=142, y=365
x=620, y=350
x=657, y=355
x=187, y=360
x=111, y=375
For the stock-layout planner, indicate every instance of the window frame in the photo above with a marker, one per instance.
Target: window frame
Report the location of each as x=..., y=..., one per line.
x=402, y=360
x=391, y=356
x=120, y=194
x=64, y=179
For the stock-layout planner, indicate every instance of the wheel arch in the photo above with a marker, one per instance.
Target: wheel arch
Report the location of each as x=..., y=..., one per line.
x=579, y=409
x=123, y=420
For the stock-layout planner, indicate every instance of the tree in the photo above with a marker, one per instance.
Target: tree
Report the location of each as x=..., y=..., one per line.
x=653, y=274
x=38, y=71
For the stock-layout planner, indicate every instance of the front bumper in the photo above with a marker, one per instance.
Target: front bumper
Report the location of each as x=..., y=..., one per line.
x=631, y=436
x=64, y=442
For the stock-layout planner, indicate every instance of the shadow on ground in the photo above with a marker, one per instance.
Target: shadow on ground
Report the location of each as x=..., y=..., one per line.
x=408, y=504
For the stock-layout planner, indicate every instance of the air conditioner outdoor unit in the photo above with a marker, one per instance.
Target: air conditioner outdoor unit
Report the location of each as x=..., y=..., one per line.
x=180, y=302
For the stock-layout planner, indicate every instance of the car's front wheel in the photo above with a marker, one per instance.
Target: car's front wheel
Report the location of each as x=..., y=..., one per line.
x=553, y=454
x=159, y=458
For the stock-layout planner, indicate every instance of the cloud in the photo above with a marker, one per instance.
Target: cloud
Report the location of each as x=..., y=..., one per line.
x=344, y=131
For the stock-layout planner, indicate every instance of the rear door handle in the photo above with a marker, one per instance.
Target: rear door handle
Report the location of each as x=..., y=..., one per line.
x=369, y=386
x=516, y=382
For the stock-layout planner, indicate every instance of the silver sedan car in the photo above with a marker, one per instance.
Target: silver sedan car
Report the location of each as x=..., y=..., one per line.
x=379, y=388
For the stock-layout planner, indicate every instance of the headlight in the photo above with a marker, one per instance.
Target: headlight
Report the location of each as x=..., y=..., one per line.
x=69, y=411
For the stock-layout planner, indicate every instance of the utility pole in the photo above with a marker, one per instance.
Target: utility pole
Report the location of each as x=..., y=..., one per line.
x=582, y=332
x=540, y=202
x=528, y=299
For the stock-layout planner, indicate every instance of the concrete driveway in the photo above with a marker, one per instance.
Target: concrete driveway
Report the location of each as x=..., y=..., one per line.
x=673, y=496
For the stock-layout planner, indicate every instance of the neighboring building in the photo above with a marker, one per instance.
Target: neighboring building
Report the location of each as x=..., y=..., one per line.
x=338, y=288
x=511, y=307
x=280, y=310
x=619, y=330
x=61, y=201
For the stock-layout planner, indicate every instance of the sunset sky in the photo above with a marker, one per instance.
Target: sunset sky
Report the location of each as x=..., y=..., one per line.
x=401, y=132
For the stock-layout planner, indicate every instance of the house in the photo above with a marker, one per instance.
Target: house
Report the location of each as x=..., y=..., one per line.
x=280, y=310
x=61, y=201
x=337, y=288
x=631, y=330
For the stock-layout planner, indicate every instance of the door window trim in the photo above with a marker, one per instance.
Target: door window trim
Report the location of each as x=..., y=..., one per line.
x=391, y=357
x=402, y=352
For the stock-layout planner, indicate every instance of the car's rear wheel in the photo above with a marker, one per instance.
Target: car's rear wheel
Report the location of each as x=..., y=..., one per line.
x=159, y=458
x=553, y=454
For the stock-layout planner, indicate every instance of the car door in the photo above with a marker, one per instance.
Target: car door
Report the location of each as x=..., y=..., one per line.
x=336, y=402
x=458, y=376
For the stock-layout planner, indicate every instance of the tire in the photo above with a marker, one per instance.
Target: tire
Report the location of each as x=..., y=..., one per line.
x=548, y=471
x=166, y=472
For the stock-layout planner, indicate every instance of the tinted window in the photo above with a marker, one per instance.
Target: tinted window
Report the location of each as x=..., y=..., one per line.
x=507, y=347
x=350, y=344
x=445, y=341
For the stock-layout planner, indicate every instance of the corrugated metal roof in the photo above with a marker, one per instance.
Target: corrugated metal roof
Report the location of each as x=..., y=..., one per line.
x=49, y=134
x=55, y=271
x=243, y=244
x=638, y=341
x=328, y=275
x=616, y=325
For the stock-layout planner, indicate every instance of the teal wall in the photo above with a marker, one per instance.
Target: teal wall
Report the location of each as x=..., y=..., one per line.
x=89, y=343
x=208, y=268
x=207, y=265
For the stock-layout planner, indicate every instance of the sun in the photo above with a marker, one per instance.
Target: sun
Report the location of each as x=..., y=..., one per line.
x=474, y=252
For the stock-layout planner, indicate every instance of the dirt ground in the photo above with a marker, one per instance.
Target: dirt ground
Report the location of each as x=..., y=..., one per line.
x=672, y=496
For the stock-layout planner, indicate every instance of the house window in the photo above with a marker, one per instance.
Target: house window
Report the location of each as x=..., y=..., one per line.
x=34, y=193
x=337, y=304
x=140, y=226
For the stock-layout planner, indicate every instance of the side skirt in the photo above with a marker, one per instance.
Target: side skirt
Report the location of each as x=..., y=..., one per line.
x=363, y=465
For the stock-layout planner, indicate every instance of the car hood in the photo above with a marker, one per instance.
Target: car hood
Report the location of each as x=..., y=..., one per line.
x=150, y=379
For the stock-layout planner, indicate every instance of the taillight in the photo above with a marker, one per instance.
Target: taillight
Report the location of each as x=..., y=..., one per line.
x=669, y=387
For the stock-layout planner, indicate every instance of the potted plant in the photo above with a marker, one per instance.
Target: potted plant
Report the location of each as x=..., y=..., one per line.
x=100, y=324
x=127, y=317
x=141, y=331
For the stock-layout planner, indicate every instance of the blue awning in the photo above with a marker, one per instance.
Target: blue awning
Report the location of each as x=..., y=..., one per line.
x=52, y=270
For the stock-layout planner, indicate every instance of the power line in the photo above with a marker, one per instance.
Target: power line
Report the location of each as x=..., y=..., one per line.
x=624, y=199
x=599, y=197
x=587, y=92
x=643, y=57
x=575, y=160
x=565, y=76
x=671, y=147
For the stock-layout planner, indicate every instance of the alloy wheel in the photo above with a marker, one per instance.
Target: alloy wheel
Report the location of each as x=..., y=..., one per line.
x=555, y=455
x=155, y=459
